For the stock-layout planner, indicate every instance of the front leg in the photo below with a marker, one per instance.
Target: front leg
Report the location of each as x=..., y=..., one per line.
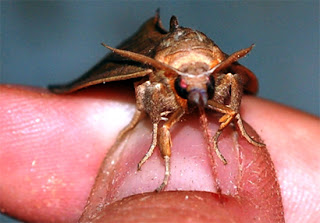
x=232, y=83
x=152, y=146
x=235, y=100
x=158, y=102
x=165, y=144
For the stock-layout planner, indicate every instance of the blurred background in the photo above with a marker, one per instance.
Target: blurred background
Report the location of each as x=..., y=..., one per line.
x=46, y=42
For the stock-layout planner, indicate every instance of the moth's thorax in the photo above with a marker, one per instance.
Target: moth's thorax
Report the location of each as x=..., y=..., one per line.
x=194, y=68
x=186, y=47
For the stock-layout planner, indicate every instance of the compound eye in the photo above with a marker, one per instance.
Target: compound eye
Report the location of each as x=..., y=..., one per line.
x=210, y=87
x=181, y=87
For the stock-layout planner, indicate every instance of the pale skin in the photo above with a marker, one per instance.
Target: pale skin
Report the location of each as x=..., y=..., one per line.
x=49, y=157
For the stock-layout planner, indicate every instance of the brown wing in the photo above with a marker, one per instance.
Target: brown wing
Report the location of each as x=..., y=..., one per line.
x=115, y=68
x=252, y=85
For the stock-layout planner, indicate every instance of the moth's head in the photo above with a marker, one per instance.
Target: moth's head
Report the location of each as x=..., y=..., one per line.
x=193, y=55
x=197, y=89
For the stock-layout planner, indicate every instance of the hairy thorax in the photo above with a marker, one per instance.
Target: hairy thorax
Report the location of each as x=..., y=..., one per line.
x=188, y=48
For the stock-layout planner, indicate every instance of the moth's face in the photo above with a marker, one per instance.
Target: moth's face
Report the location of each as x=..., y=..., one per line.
x=193, y=54
x=197, y=89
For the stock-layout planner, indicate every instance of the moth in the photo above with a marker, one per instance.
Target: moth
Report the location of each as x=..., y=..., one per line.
x=178, y=72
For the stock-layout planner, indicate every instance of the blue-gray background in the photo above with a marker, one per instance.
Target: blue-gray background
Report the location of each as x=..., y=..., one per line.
x=56, y=41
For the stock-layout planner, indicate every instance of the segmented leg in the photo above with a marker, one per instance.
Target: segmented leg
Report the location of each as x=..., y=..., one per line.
x=152, y=146
x=236, y=95
x=216, y=148
x=230, y=111
x=245, y=134
x=224, y=122
x=166, y=174
x=165, y=145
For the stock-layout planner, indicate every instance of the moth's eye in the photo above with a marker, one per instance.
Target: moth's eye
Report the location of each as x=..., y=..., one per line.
x=210, y=87
x=181, y=87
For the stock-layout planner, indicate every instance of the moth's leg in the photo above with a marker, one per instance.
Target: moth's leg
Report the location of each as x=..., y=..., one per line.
x=165, y=144
x=224, y=121
x=227, y=84
x=234, y=83
x=245, y=134
x=154, y=99
x=147, y=95
x=152, y=146
x=235, y=100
